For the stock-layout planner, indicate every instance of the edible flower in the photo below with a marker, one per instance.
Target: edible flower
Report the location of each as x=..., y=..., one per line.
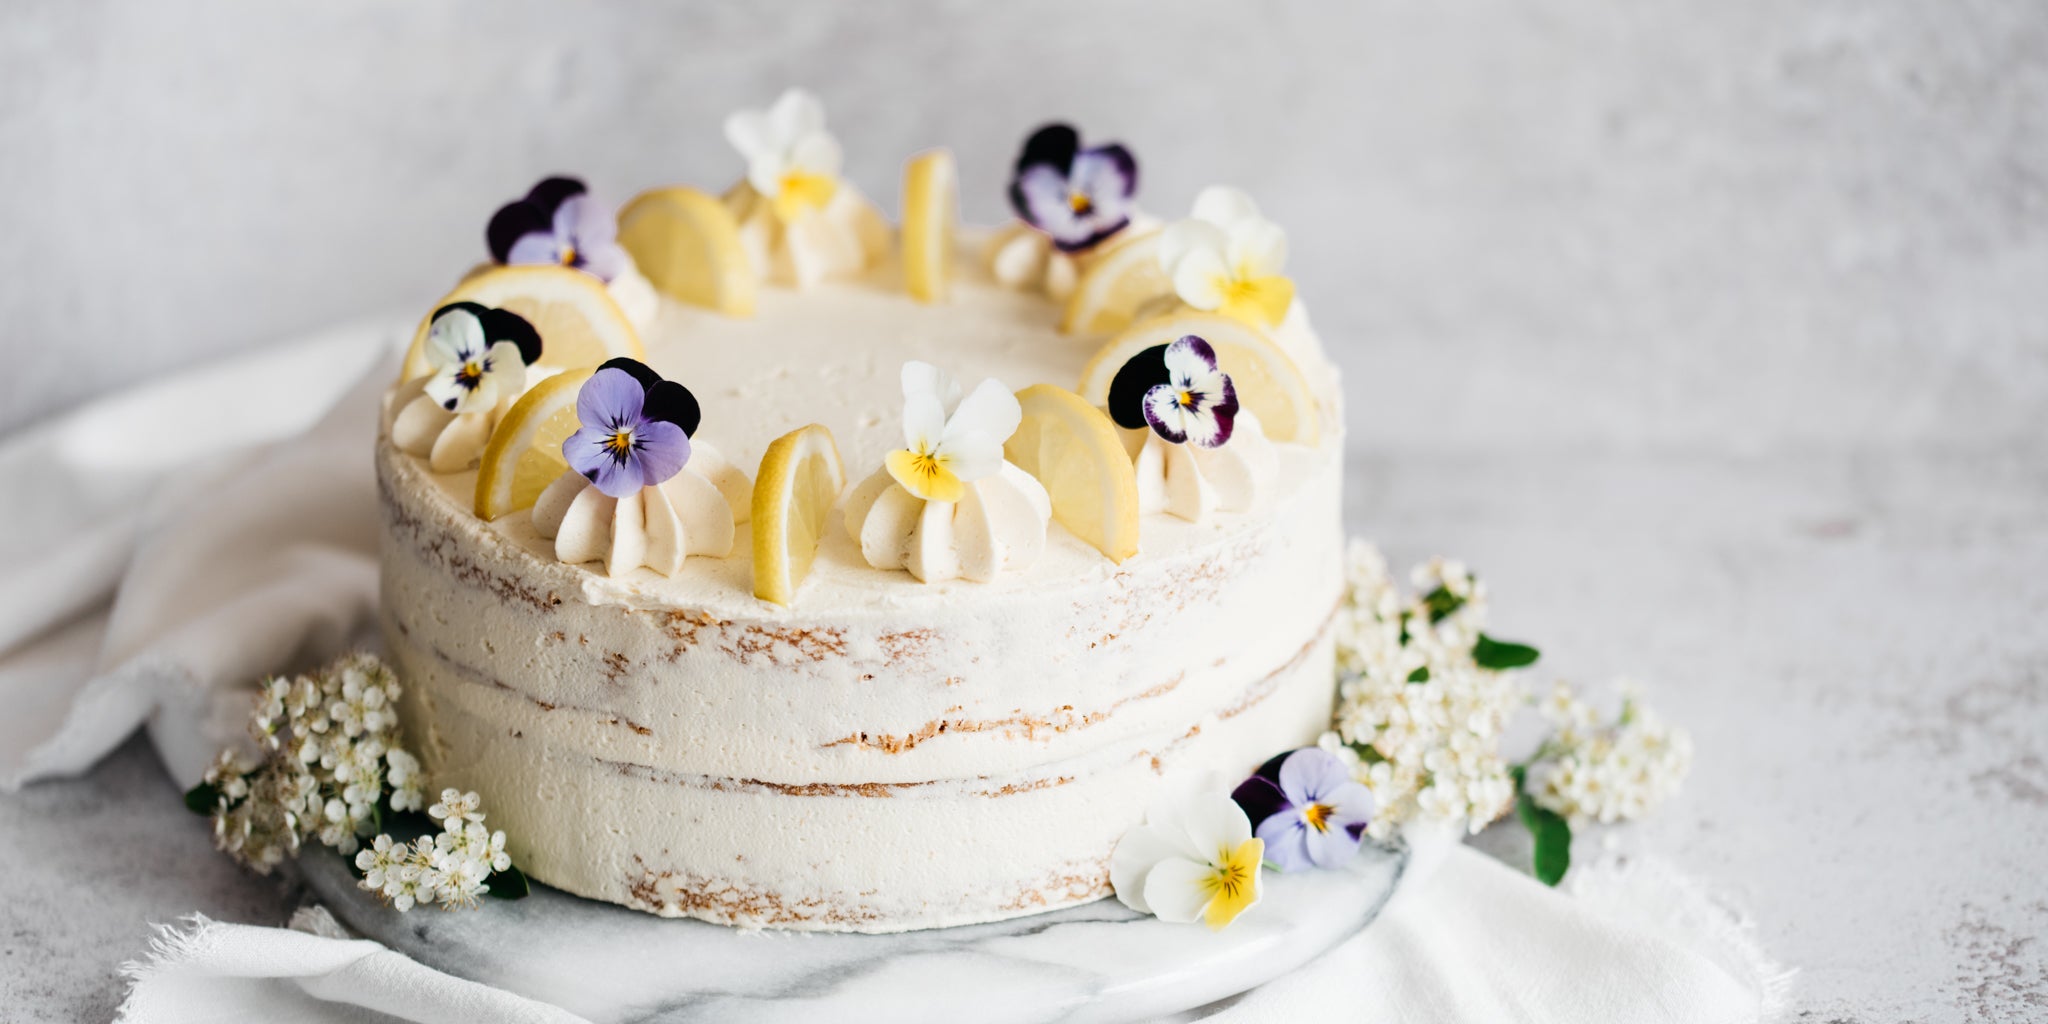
x=1194, y=859
x=559, y=223
x=478, y=354
x=1079, y=197
x=1178, y=391
x=1307, y=808
x=635, y=428
x=791, y=159
x=950, y=442
x=1227, y=258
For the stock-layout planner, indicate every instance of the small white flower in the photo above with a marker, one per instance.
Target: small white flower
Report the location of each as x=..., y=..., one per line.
x=1194, y=859
x=791, y=159
x=405, y=779
x=471, y=373
x=1227, y=258
x=950, y=442
x=455, y=808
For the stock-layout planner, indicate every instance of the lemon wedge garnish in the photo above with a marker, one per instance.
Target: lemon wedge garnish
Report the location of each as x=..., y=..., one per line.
x=931, y=208
x=1266, y=380
x=578, y=322
x=687, y=243
x=524, y=454
x=1075, y=452
x=1114, y=285
x=799, y=482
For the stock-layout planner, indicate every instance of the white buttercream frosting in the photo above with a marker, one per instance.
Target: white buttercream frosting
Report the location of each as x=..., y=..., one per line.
x=1192, y=482
x=844, y=237
x=1024, y=258
x=998, y=524
x=695, y=512
x=636, y=296
x=450, y=441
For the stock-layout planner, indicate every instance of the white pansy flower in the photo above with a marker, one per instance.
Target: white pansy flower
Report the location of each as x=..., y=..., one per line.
x=1193, y=859
x=791, y=159
x=950, y=442
x=470, y=371
x=1226, y=258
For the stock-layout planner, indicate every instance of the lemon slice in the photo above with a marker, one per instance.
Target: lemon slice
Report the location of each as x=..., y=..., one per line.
x=579, y=324
x=931, y=207
x=1266, y=380
x=688, y=243
x=799, y=482
x=1114, y=285
x=1074, y=450
x=524, y=454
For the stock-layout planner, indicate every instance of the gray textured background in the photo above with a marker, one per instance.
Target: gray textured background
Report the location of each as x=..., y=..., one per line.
x=1715, y=334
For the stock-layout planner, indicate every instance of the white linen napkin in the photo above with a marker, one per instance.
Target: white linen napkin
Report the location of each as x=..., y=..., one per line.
x=162, y=550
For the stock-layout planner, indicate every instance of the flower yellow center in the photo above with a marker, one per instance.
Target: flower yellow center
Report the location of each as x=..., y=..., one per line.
x=470, y=375
x=798, y=191
x=1317, y=816
x=924, y=472
x=1186, y=399
x=568, y=255
x=1232, y=883
x=1080, y=203
x=619, y=443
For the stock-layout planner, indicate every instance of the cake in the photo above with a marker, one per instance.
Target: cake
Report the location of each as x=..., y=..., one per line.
x=974, y=687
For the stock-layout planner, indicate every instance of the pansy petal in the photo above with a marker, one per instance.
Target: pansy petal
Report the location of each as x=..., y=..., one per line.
x=748, y=132
x=924, y=421
x=535, y=247
x=1258, y=248
x=1052, y=145
x=1106, y=174
x=990, y=409
x=594, y=222
x=447, y=391
x=1328, y=848
x=661, y=448
x=1311, y=774
x=1351, y=803
x=588, y=452
x=816, y=153
x=796, y=113
x=512, y=222
x=1224, y=390
x=971, y=456
x=1183, y=238
x=604, y=260
x=1040, y=196
x=1142, y=848
x=1189, y=360
x=1199, y=279
x=1214, y=824
x=1164, y=414
x=1204, y=428
x=508, y=370
x=1223, y=205
x=1177, y=890
x=454, y=338
x=1261, y=799
x=610, y=399
x=1286, y=838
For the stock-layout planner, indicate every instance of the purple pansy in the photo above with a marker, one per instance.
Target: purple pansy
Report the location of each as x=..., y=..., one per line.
x=1077, y=196
x=1178, y=391
x=562, y=224
x=635, y=428
x=1308, y=809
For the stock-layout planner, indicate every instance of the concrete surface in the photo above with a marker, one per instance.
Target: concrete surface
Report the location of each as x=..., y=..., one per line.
x=1715, y=336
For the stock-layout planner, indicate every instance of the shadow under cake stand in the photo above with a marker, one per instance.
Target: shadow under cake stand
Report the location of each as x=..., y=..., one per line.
x=1096, y=962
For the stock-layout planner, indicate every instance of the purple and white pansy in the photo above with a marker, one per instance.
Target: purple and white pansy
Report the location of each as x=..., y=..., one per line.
x=1308, y=809
x=479, y=356
x=1078, y=197
x=559, y=223
x=635, y=428
x=1178, y=391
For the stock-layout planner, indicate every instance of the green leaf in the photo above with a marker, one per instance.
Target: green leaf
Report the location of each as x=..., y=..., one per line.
x=1420, y=675
x=1500, y=654
x=1441, y=604
x=509, y=884
x=202, y=799
x=1553, y=835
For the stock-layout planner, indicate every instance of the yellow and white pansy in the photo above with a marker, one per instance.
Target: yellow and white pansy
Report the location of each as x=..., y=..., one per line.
x=1194, y=859
x=1227, y=258
x=791, y=159
x=950, y=442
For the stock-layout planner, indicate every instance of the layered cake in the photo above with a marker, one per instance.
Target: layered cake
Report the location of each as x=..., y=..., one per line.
x=763, y=561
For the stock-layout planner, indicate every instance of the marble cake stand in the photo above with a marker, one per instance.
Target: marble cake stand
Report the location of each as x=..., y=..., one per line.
x=1096, y=962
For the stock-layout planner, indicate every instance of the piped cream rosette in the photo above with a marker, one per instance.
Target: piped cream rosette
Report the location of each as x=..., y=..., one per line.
x=948, y=505
x=799, y=222
x=478, y=359
x=640, y=491
x=1200, y=452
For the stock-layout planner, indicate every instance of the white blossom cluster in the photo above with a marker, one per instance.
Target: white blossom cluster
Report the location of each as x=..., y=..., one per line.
x=330, y=757
x=449, y=868
x=1418, y=718
x=1606, y=771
